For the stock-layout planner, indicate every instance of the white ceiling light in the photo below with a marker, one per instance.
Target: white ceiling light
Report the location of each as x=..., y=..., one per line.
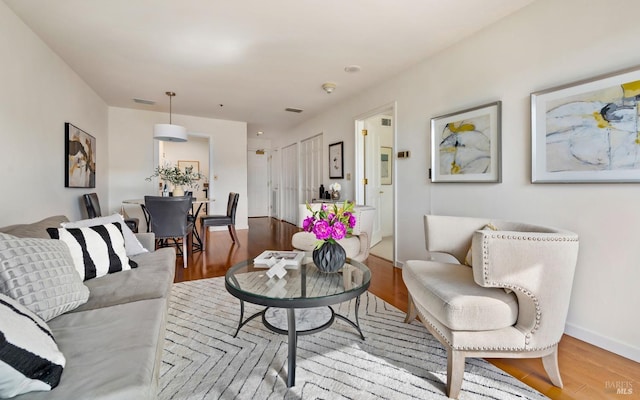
x=169, y=132
x=328, y=87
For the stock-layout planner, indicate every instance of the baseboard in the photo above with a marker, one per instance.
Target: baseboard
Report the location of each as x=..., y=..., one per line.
x=596, y=339
x=224, y=228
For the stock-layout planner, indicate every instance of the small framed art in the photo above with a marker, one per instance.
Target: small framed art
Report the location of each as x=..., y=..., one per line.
x=587, y=131
x=80, y=158
x=465, y=145
x=195, y=166
x=336, y=161
x=385, y=165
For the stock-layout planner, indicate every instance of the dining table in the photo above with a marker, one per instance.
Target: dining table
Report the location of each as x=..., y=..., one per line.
x=196, y=207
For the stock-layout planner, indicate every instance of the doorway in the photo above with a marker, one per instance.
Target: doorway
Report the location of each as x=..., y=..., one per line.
x=375, y=175
x=258, y=183
x=198, y=150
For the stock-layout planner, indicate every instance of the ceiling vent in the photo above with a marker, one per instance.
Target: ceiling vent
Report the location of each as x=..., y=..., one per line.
x=143, y=101
x=293, y=110
x=386, y=121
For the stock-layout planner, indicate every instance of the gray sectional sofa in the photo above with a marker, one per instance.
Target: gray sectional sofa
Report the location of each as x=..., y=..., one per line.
x=113, y=343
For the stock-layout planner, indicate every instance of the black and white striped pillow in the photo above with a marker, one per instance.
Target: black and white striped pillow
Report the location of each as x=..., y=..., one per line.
x=96, y=250
x=29, y=357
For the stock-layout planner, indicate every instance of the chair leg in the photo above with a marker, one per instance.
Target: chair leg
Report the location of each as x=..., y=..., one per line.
x=455, y=372
x=185, y=249
x=203, y=235
x=550, y=364
x=234, y=235
x=412, y=313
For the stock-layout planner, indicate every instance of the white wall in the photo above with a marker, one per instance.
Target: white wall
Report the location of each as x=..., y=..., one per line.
x=258, y=144
x=546, y=44
x=132, y=157
x=39, y=94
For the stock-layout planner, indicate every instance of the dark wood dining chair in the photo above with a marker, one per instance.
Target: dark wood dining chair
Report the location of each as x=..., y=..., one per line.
x=92, y=205
x=169, y=222
x=228, y=220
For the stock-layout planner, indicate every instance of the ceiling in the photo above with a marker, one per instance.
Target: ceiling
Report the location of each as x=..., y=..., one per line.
x=248, y=60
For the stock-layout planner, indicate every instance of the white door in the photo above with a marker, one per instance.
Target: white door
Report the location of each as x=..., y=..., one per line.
x=275, y=181
x=372, y=168
x=374, y=174
x=289, y=185
x=258, y=183
x=311, y=167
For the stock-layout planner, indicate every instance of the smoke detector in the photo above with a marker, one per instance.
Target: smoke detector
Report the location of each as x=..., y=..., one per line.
x=328, y=87
x=351, y=69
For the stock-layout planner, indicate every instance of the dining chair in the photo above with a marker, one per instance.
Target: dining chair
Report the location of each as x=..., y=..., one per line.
x=92, y=205
x=191, y=217
x=169, y=221
x=228, y=220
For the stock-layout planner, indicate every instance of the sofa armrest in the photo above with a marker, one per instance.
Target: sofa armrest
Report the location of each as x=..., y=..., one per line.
x=538, y=267
x=147, y=240
x=365, y=246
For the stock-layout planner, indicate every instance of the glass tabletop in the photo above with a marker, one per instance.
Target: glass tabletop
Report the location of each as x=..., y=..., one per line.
x=305, y=286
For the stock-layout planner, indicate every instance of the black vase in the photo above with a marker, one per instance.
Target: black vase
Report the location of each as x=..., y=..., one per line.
x=330, y=257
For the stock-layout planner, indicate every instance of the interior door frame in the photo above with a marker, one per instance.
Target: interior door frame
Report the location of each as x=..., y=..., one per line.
x=156, y=161
x=359, y=190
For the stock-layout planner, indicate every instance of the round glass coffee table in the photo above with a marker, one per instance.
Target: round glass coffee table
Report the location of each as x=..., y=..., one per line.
x=300, y=302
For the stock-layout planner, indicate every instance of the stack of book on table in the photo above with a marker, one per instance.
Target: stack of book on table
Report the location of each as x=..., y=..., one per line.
x=268, y=258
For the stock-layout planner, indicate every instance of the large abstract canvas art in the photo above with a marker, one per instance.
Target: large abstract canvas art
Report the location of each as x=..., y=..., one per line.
x=587, y=131
x=80, y=158
x=465, y=145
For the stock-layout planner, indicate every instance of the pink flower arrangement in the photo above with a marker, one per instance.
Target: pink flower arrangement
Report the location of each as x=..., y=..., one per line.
x=330, y=222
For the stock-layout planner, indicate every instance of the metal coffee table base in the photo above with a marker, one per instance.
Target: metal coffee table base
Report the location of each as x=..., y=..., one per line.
x=308, y=321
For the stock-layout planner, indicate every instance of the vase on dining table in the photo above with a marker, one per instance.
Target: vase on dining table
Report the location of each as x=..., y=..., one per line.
x=178, y=190
x=330, y=257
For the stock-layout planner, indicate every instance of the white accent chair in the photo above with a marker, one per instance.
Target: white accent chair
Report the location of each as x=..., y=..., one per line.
x=357, y=246
x=512, y=302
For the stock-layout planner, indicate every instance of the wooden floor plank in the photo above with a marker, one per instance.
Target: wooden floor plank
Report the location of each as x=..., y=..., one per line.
x=588, y=372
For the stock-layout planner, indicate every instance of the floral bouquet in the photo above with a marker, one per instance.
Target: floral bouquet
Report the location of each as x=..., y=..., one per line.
x=330, y=223
x=176, y=176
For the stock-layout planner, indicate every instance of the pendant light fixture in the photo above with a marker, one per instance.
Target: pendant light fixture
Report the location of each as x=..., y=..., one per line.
x=169, y=132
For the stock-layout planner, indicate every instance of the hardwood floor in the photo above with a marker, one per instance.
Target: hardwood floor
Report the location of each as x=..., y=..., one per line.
x=588, y=372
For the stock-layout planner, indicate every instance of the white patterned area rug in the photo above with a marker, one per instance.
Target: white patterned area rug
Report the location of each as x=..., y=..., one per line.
x=202, y=359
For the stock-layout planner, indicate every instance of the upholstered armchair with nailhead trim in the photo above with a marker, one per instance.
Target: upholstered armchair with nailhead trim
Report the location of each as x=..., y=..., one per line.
x=510, y=299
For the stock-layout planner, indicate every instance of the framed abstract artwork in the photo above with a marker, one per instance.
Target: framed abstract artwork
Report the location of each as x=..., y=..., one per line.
x=385, y=165
x=80, y=158
x=465, y=145
x=587, y=131
x=195, y=166
x=336, y=160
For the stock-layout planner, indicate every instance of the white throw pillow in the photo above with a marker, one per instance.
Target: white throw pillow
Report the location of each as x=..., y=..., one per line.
x=131, y=243
x=96, y=250
x=41, y=275
x=29, y=357
x=468, y=260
